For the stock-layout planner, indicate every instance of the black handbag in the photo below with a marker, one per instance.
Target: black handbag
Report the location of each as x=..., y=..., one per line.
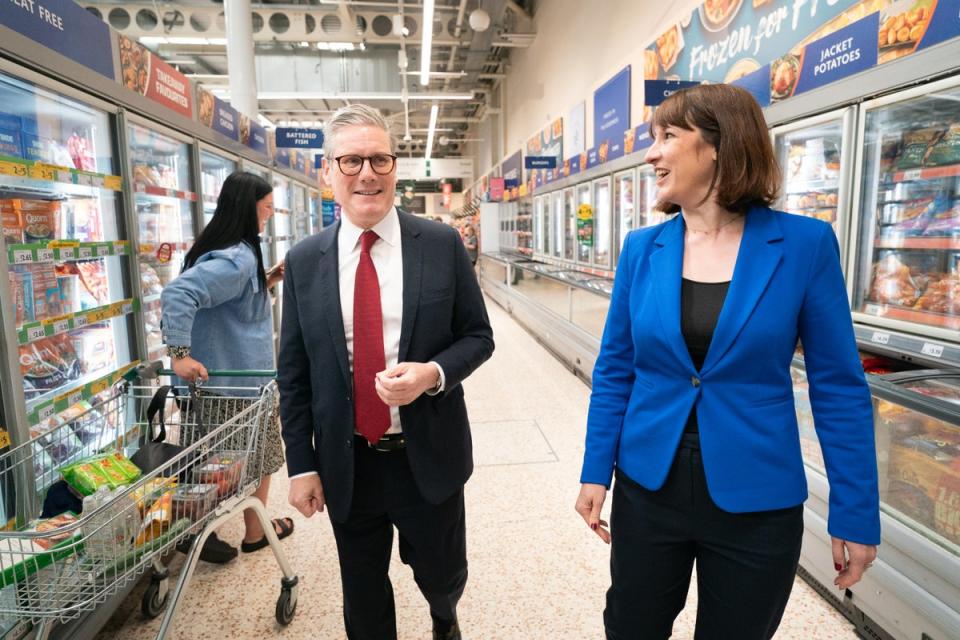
x=156, y=452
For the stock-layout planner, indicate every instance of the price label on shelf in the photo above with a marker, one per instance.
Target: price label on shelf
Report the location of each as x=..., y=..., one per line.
x=879, y=337
x=84, y=179
x=65, y=175
x=35, y=333
x=98, y=181
x=81, y=321
x=872, y=309
x=74, y=397
x=44, y=412
x=126, y=307
x=61, y=326
x=121, y=248
x=15, y=169
x=912, y=174
x=113, y=182
x=84, y=253
x=932, y=350
x=43, y=172
x=45, y=255
x=22, y=256
x=68, y=253
x=99, y=386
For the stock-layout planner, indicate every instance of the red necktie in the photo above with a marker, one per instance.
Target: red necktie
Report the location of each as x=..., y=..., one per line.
x=371, y=415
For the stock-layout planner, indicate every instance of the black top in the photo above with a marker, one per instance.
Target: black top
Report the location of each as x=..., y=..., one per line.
x=700, y=305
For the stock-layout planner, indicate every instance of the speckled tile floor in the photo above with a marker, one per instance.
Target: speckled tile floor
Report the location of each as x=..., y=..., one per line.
x=535, y=570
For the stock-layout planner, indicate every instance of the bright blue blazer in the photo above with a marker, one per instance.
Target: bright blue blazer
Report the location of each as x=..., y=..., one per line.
x=787, y=285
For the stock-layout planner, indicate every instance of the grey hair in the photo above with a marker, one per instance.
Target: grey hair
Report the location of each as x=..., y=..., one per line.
x=349, y=116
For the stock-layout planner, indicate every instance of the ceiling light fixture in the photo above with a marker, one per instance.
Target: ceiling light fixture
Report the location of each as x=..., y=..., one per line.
x=222, y=91
x=434, y=111
x=427, y=27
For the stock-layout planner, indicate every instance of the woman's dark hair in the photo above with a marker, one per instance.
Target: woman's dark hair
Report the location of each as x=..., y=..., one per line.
x=234, y=220
x=730, y=120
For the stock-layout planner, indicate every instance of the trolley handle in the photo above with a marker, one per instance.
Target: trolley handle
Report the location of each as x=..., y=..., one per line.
x=153, y=370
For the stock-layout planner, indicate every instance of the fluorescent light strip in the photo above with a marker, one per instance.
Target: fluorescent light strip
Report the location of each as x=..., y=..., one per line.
x=434, y=110
x=221, y=90
x=427, y=26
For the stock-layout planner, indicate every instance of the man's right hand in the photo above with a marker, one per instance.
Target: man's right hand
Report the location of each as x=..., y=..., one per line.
x=306, y=494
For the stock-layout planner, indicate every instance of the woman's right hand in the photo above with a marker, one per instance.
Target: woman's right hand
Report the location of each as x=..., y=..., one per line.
x=589, y=503
x=190, y=369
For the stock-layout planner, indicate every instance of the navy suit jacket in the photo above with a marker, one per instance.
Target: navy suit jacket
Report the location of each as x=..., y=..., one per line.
x=787, y=285
x=444, y=320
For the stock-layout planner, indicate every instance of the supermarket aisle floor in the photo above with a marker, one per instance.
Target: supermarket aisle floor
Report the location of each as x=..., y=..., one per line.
x=536, y=571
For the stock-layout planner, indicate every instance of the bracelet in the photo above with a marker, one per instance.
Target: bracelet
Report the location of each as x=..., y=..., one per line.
x=178, y=353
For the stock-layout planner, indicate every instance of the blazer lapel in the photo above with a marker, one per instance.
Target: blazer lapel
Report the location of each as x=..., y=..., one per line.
x=329, y=299
x=412, y=270
x=666, y=268
x=760, y=253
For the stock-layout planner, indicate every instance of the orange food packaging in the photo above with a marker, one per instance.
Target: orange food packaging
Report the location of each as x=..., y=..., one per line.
x=39, y=218
x=10, y=217
x=157, y=519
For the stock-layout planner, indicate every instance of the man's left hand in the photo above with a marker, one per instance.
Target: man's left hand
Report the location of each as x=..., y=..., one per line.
x=404, y=383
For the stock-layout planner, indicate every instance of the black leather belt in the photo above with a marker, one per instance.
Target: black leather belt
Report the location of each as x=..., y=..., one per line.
x=387, y=444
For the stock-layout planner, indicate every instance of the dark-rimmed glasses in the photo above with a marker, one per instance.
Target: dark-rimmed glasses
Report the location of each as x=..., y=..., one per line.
x=381, y=163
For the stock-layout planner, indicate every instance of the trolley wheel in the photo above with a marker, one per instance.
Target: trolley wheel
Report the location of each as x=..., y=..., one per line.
x=286, y=607
x=154, y=600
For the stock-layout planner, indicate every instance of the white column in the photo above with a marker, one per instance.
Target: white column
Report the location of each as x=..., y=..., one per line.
x=240, y=67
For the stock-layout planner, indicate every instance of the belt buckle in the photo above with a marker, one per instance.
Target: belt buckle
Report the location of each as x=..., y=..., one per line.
x=400, y=443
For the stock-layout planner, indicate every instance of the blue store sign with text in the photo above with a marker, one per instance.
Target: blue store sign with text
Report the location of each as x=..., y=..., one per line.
x=757, y=83
x=65, y=27
x=225, y=119
x=540, y=162
x=848, y=51
x=656, y=91
x=611, y=107
x=513, y=170
x=299, y=138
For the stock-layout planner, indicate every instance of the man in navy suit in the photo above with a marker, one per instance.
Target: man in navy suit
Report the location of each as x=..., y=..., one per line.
x=383, y=319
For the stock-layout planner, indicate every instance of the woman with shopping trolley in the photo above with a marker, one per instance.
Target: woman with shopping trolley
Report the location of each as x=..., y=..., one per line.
x=216, y=315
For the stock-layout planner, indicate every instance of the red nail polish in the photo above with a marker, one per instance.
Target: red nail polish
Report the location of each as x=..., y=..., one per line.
x=837, y=566
x=593, y=526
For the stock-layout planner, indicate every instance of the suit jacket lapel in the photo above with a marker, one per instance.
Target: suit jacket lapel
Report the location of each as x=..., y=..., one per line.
x=329, y=299
x=760, y=253
x=412, y=271
x=666, y=268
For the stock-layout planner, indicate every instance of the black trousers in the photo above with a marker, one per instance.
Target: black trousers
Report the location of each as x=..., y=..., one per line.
x=432, y=542
x=746, y=562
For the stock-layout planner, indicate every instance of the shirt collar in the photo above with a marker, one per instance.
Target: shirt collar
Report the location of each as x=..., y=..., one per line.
x=388, y=229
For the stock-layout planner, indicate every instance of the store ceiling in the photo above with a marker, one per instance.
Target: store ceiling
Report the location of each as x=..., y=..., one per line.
x=314, y=56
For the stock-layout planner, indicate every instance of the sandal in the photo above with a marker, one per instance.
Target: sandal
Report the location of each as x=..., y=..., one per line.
x=286, y=528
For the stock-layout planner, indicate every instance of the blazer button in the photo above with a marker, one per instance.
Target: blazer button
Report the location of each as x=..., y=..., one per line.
x=695, y=381
x=350, y=443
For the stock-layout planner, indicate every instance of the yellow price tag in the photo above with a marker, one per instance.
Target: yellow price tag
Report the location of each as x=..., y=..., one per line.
x=56, y=244
x=99, y=386
x=16, y=169
x=40, y=171
x=114, y=183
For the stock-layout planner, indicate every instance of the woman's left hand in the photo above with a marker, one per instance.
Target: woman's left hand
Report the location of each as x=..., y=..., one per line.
x=275, y=274
x=851, y=560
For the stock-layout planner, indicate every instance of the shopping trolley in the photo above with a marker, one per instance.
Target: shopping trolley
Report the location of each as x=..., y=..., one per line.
x=50, y=575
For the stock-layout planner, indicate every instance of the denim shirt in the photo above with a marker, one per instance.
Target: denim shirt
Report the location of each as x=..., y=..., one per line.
x=218, y=309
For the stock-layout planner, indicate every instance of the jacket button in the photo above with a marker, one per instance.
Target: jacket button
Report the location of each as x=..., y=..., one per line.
x=695, y=381
x=350, y=444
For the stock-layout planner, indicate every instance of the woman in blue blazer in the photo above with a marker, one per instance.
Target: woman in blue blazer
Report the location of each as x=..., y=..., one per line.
x=692, y=404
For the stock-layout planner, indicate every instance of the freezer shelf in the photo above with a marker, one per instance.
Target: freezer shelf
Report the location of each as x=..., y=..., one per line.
x=811, y=159
x=214, y=169
x=908, y=266
x=59, y=204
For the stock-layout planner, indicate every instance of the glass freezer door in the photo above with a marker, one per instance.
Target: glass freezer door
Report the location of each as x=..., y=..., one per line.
x=301, y=217
x=538, y=233
x=584, y=224
x=314, y=203
x=602, y=223
x=266, y=246
x=813, y=159
x=647, y=215
x=557, y=224
x=908, y=261
x=282, y=222
x=70, y=300
x=214, y=169
x=160, y=165
x=623, y=202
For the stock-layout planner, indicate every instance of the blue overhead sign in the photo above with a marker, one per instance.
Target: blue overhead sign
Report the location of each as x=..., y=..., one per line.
x=540, y=162
x=611, y=108
x=65, y=27
x=848, y=51
x=290, y=138
x=656, y=91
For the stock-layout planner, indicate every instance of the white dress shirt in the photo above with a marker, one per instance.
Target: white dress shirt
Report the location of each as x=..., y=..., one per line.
x=387, y=256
